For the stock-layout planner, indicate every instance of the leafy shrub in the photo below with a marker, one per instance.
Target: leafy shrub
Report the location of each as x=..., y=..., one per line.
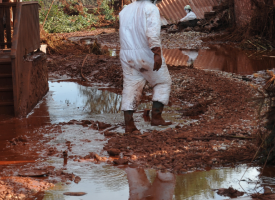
x=109, y=13
x=60, y=22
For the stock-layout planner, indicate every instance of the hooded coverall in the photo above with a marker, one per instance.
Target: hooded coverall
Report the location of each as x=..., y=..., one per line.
x=140, y=32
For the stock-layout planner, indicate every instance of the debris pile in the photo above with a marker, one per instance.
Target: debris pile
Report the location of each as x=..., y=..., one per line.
x=258, y=33
x=223, y=18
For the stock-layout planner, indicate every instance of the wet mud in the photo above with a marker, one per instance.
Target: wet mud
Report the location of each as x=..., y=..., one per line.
x=73, y=142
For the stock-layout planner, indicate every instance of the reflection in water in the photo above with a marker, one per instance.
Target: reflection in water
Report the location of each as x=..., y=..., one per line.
x=221, y=58
x=192, y=56
x=91, y=99
x=100, y=101
x=200, y=185
x=101, y=181
x=161, y=188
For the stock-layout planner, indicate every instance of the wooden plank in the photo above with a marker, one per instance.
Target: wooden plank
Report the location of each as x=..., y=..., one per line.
x=16, y=24
x=8, y=26
x=1, y=27
x=5, y=59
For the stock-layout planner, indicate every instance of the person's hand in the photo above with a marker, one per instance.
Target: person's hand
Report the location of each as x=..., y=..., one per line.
x=157, y=58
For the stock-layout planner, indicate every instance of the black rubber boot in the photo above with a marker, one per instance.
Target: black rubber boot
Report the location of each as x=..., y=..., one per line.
x=156, y=115
x=129, y=121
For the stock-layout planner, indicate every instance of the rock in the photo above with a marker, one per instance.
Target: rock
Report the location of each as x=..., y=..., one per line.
x=77, y=179
x=133, y=157
x=113, y=152
x=120, y=161
x=97, y=157
x=74, y=193
x=230, y=192
x=93, y=126
x=92, y=154
x=102, y=125
x=86, y=122
x=109, y=134
x=87, y=157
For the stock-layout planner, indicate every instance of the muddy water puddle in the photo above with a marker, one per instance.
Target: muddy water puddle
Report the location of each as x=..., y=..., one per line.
x=222, y=58
x=70, y=100
x=107, y=182
x=101, y=104
x=219, y=58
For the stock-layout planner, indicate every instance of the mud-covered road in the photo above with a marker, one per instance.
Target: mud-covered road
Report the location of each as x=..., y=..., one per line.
x=74, y=137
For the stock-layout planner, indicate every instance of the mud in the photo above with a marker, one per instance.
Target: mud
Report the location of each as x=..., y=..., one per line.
x=74, y=138
x=221, y=136
x=230, y=192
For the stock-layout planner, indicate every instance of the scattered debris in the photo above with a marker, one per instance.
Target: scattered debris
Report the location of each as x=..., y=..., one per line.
x=74, y=193
x=230, y=192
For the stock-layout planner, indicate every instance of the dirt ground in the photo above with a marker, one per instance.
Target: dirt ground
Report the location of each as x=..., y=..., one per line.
x=220, y=104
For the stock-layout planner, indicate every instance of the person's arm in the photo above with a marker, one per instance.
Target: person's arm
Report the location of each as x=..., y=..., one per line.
x=153, y=26
x=153, y=34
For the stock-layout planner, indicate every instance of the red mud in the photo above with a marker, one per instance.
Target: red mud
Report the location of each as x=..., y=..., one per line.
x=230, y=192
x=101, y=69
x=221, y=136
x=220, y=102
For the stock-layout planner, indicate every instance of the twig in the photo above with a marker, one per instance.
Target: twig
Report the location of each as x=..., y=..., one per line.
x=82, y=68
x=47, y=14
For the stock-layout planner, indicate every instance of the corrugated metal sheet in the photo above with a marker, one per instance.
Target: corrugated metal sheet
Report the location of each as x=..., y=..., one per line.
x=173, y=10
x=174, y=57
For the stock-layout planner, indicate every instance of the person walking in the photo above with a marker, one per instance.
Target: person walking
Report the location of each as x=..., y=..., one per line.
x=142, y=60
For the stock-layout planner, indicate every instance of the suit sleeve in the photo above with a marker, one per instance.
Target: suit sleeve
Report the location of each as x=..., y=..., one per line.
x=188, y=17
x=153, y=26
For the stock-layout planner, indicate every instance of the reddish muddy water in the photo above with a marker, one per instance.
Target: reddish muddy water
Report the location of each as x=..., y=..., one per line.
x=70, y=100
x=219, y=58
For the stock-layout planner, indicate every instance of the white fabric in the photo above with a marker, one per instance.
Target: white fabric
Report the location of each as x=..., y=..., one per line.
x=192, y=56
x=140, y=32
x=190, y=16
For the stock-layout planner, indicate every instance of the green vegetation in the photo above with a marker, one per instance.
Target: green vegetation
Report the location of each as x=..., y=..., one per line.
x=66, y=17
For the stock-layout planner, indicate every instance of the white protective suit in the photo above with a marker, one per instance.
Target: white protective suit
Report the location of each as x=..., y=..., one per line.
x=140, y=32
x=190, y=16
